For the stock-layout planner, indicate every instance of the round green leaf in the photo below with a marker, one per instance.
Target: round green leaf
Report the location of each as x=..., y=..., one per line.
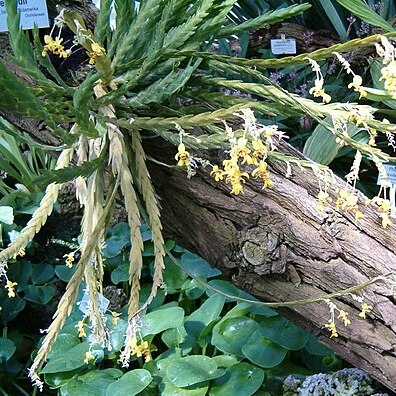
x=225, y=361
x=228, y=288
x=39, y=294
x=7, y=349
x=121, y=230
x=206, y=313
x=230, y=335
x=197, y=266
x=65, y=273
x=114, y=246
x=263, y=352
x=174, y=276
x=56, y=380
x=95, y=382
x=130, y=383
x=192, y=289
x=167, y=388
x=192, y=370
x=11, y=308
x=42, y=273
x=162, y=319
x=117, y=334
x=63, y=344
x=120, y=273
x=240, y=379
x=314, y=347
x=283, y=332
x=74, y=358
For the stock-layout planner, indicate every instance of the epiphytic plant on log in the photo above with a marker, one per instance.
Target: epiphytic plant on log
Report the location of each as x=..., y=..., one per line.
x=154, y=78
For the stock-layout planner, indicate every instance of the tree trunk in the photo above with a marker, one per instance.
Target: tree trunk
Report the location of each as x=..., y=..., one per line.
x=275, y=245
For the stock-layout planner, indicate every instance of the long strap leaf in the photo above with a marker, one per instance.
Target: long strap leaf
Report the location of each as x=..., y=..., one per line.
x=365, y=13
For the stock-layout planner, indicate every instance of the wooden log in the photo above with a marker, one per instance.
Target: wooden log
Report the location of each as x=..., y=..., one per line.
x=275, y=245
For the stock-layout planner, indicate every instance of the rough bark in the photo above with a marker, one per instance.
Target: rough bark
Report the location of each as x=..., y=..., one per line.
x=275, y=245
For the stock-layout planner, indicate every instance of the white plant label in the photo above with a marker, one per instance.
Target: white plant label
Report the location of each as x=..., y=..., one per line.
x=33, y=12
x=391, y=173
x=283, y=46
x=103, y=303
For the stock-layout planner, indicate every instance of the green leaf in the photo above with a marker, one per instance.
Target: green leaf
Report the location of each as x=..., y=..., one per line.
x=197, y=266
x=174, y=276
x=11, y=308
x=262, y=20
x=66, y=174
x=231, y=334
x=192, y=370
x=71, y=360
x=227, y=288
x=65, y=273
x=7, y=349
x=56, y=380
x=380, y=94
x=102, y=29
x=120, y=273
x=6, y=214
x=336, y=20
x=283, y=332
x=114, y=246
x=95, y=382
x=130, y=383
x=39, y=294
x=16, y=96
x=365, y=13
x=178, y=338
x=162, y=319
x=205, y=314
x=42, y=273
x=167, y=388
x=314, y=347
x=117, y=334
x=321, y=146
x=240, y=379
x=63, y=344
x=263, y=352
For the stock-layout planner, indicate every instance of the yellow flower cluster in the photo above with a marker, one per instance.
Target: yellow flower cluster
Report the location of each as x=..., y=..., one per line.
x=384, y=209
x=69, y=259
x=140, y=350
x=96, y=52
x=115, y=318
x=365, y=308
x=357, y=81
x=344, y=316
x=20, y=253
x=331, y=326
x=323, y=199
x=88, y=357
x=81, y=331
x=10, y=287
x=54, y=46
x=388, y=73
x=317, y=90
x=356, y=84
x=182, y=156
x=347, y=201
x=241, y=154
